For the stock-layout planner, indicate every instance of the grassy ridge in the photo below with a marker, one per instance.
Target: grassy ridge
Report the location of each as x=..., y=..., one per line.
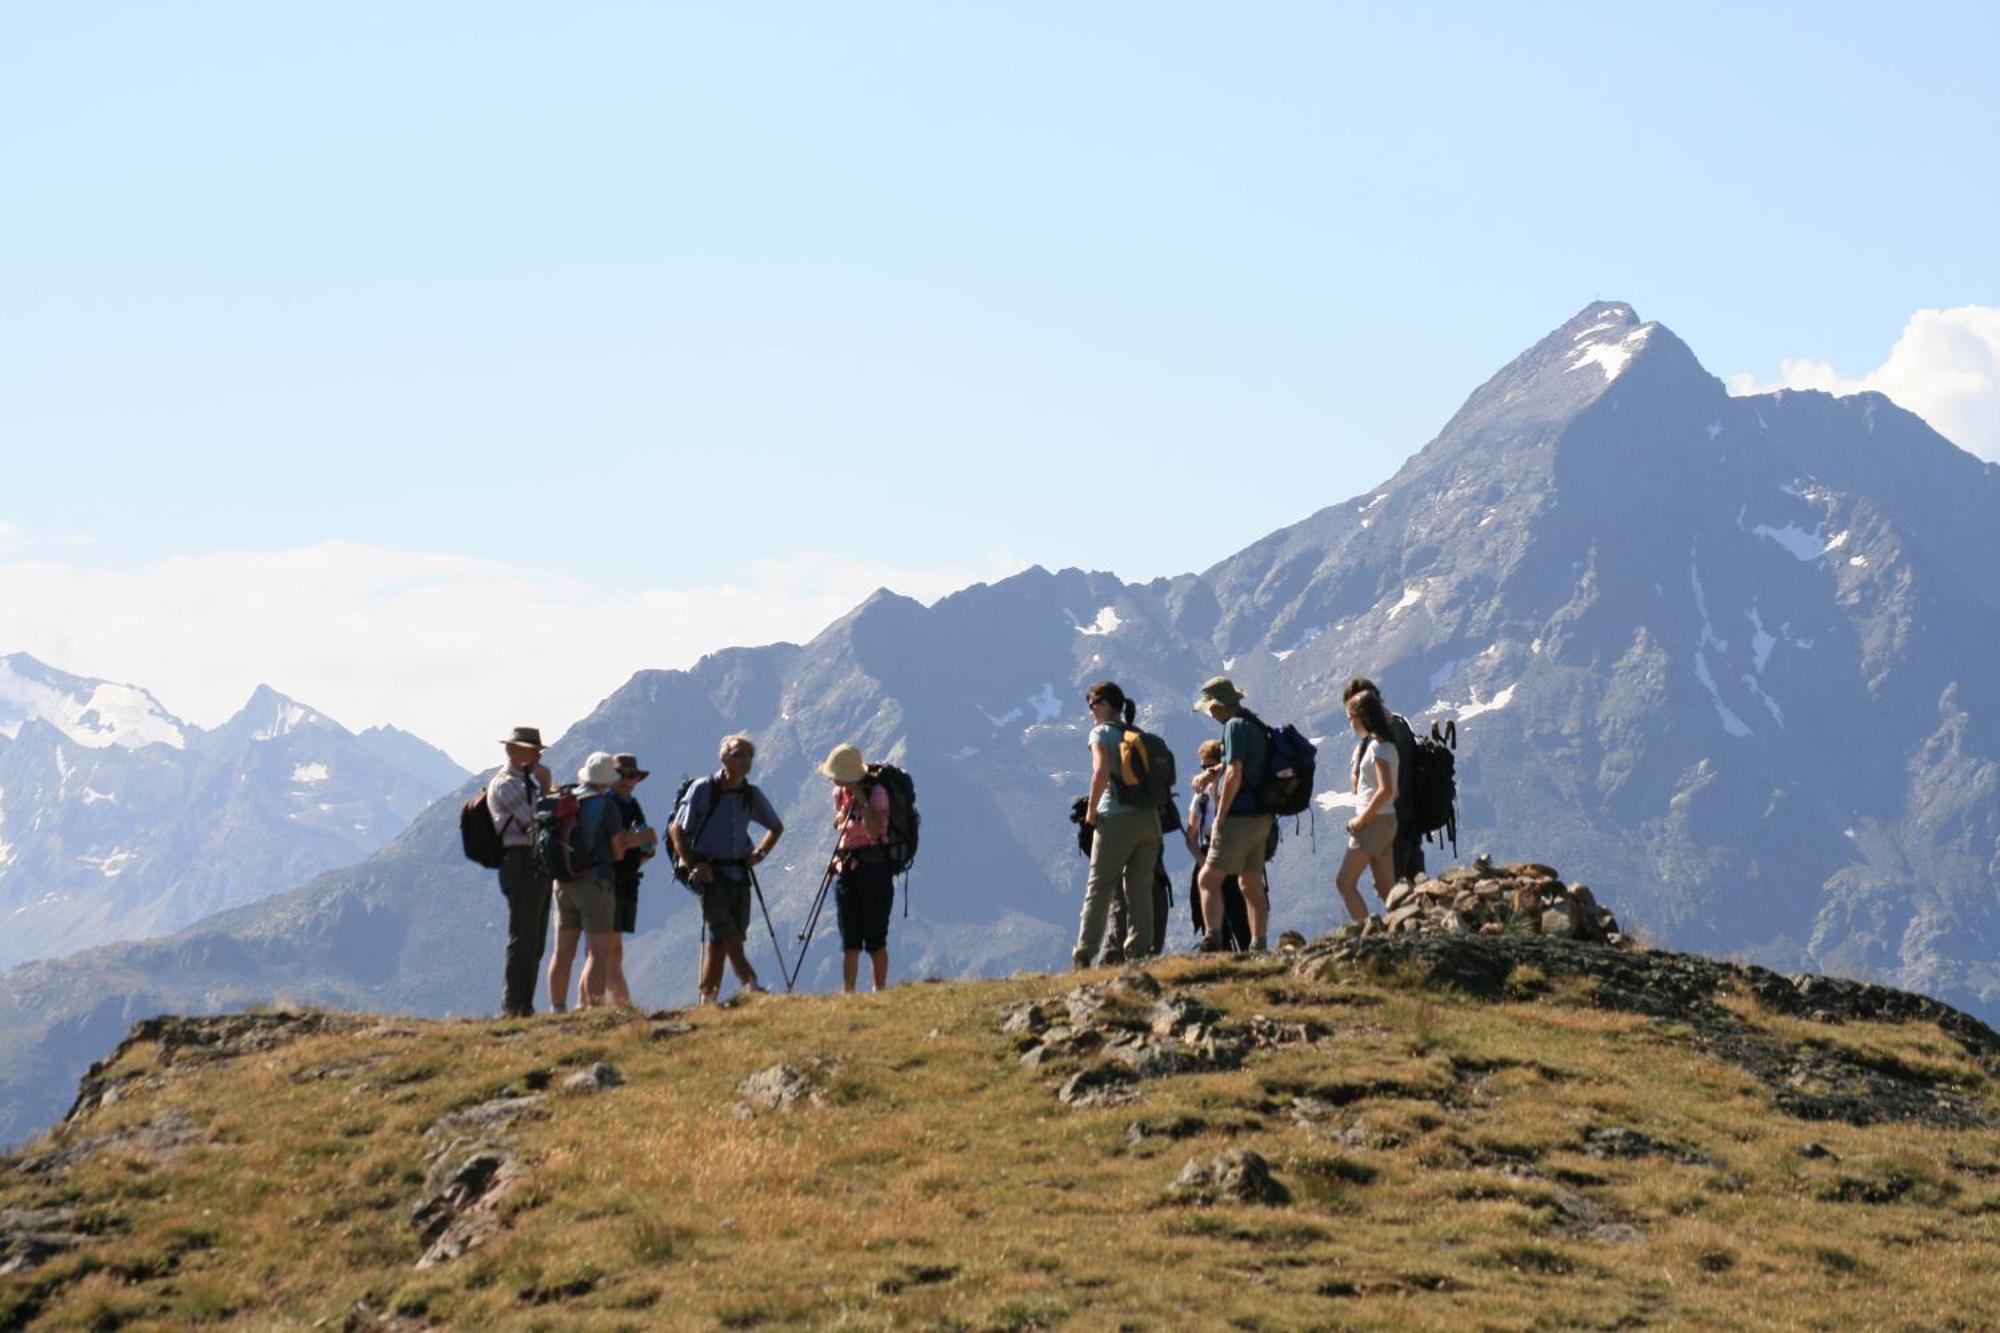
x=1538, y=1162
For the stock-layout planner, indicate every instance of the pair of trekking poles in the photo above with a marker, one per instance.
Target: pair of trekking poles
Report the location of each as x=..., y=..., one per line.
x=793, y=970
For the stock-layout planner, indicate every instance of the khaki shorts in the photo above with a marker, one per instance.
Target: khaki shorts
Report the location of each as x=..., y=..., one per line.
x=1238, y=847
x=1377, y=836
x=589, y=905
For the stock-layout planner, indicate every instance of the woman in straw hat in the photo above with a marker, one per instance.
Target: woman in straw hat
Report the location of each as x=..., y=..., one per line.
x=864, y=887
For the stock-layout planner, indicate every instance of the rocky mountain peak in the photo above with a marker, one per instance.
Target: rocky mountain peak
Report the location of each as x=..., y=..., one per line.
x=92, y=713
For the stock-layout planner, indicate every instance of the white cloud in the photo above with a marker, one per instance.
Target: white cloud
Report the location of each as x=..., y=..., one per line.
x=452, y=648
x=1945, y=367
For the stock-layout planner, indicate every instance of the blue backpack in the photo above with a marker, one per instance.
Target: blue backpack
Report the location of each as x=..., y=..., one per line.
x=1289, y=762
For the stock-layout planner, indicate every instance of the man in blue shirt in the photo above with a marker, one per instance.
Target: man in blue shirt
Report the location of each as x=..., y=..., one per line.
x=1241, y=827
x=711, y=840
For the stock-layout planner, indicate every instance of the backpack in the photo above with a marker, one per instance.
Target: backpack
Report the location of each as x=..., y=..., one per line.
x=1290, y=763
x=478, y=835
x=905, y=822
x=1144, y=775
x=556, y=851
x=1434, y=786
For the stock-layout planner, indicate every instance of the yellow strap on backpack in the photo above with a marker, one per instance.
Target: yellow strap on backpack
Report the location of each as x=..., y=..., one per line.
x=1132, y=761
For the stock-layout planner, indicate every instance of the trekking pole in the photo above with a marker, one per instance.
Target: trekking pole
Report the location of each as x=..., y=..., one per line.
x=805, y=937
x=778, y=949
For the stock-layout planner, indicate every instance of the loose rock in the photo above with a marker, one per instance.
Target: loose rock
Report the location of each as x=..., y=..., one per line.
x=1239, y=1175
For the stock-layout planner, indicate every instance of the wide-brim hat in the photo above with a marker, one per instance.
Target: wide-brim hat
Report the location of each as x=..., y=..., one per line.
x=600, y=770
x=628, y=767
x=1218, y=690
x=844, y=764
x=528, y=737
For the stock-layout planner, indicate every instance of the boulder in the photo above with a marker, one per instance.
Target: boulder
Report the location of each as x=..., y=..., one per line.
x=597, y=1078
x=1239, y=1175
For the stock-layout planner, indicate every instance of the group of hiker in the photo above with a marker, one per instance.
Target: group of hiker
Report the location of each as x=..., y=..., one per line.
x=1247, y=778
x=582, y=847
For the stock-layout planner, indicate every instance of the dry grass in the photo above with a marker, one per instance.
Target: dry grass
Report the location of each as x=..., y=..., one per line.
x=942, y=1186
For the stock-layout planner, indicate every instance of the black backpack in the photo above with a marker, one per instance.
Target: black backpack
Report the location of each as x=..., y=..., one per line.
x=905, y=823
x=1434, y=786
x=1290, y=764
x=478, y=835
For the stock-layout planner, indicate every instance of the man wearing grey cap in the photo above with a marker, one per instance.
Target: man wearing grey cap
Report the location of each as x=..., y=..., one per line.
x=1241, y=828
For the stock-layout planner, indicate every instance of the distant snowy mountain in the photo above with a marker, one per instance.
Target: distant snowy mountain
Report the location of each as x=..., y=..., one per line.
x=1728, y=659
x=118, y=820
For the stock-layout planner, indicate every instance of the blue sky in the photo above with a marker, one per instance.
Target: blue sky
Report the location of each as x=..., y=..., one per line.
x=720, y=313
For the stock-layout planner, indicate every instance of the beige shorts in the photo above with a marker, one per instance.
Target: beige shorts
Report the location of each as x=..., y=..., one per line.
x=589, y=905
x=1377, y=836
x=1238, y=846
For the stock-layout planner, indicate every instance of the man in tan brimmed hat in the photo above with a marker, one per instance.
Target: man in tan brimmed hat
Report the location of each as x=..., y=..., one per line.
x=864, y=887
x=510, y=797
x=1236, y=846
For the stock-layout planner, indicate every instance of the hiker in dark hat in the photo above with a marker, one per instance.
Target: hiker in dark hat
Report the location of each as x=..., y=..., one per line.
x=711, y=840
x=1125, y=851
x=586, y=902
x=510, y=796
x=1408, y=852
x=1241, y=828
x=640, y=842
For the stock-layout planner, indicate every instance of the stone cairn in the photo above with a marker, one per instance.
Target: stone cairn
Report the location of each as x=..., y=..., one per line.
x=1526, y=898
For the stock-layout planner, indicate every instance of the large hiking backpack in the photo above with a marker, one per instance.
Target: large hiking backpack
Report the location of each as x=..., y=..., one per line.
x=478, y=835
x=1290, y=763
x=557, y=854
x=1434, y=786
x=905, y=823
x=1144, y=774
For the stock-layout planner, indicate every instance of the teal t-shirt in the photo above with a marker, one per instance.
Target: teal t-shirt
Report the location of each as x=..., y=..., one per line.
x=1243, y=739
x=1105, y=737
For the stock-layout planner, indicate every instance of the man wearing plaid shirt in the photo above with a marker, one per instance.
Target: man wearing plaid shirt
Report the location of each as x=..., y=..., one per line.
x=510, y=796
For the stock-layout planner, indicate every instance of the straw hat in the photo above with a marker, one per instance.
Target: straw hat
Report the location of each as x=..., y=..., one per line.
x=844, y=764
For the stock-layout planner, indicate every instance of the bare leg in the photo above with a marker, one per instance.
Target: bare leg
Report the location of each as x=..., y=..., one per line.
x=1385, y=874
x=850, y=964
x=590, y=982
x=739, y=962
x=711, y=969
x=879, y=960
x=612, y=977
x=1256, y=903
x=1347, y=877
x=559, y=965
x=1211, y=899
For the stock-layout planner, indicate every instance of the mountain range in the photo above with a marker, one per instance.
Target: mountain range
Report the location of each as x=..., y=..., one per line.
x=119, y=820
x=1725, y=658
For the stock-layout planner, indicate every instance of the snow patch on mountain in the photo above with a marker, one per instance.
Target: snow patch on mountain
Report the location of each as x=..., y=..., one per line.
x=93, y=713
x=1802, y=544
x=1610, y=357
x=1411, y=596
x=314, y=772
x=1047, y=707
x=1731, y=723
x=1107, y=622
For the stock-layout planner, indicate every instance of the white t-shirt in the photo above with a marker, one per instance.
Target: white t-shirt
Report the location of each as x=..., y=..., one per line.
x=1367, y=782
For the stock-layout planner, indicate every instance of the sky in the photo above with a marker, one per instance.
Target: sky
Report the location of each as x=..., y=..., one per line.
x=442, y=365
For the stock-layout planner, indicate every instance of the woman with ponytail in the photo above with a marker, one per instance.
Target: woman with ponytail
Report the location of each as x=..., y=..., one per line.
x=1126, y=847
x=1371, y=834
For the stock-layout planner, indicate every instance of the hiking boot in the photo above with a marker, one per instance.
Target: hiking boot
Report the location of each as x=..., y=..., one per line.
x=754, y=988
x=1111, y=958
x=1079, y=962
x=1212, y=944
